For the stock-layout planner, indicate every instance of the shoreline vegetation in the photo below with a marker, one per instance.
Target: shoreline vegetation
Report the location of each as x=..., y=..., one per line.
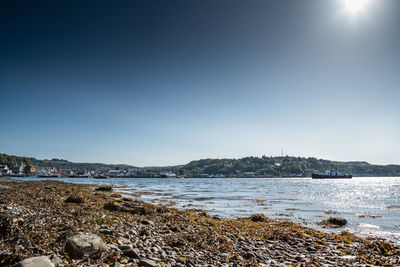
x=64, y=224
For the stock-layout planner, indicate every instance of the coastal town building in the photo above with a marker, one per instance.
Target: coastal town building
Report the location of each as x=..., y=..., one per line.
x=114, y=173
x=18, y=169
x=4, y=169
x=30, y=169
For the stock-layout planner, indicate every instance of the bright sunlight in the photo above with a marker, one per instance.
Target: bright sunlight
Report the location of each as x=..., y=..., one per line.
x=355, y=6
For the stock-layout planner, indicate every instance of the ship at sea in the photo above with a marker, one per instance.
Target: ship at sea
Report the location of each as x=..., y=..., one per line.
x=101, y=176
x=331, y=175
x=167, y=175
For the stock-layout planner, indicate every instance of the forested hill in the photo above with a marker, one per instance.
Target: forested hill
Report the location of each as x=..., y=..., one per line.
x=244, y=167
x=11, y=161
x=59, y=163
x=68, y=165
x=283, y=166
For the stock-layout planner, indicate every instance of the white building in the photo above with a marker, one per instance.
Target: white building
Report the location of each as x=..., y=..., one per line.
x=4, y=169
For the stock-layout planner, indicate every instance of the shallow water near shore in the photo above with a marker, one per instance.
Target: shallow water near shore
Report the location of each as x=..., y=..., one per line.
x=370, y=205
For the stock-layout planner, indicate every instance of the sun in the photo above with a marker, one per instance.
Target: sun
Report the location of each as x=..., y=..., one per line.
x=355, y=6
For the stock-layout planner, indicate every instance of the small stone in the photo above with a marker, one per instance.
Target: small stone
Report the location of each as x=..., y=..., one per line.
x=144, y=232
x=132, y=253
x=41, y=261
x=147, y=263
x=133, y=232
x=298, y=258
x=190, y=263
x=248, y=255
x=105, y=231
x=145, y=222
x=125, y=247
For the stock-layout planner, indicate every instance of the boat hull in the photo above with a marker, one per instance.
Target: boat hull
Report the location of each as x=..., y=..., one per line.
x=323, y=176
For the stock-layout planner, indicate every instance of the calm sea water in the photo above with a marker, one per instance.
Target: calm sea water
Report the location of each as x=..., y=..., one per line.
x=370, y=205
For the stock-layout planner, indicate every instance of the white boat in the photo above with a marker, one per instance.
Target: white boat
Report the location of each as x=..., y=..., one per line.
x=167, y=174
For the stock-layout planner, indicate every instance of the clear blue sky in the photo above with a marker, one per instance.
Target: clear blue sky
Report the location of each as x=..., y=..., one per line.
x=167, y=82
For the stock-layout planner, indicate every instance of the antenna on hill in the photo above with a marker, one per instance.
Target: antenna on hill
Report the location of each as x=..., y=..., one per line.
x=282, y=152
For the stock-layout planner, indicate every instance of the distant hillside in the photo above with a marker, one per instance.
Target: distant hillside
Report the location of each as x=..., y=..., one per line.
x=68, y=165
x=59, y=163
x=244, y=167
x=283, y=166
x=11, y=161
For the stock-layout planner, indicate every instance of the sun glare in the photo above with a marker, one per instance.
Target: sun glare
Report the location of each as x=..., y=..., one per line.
x=355, y=6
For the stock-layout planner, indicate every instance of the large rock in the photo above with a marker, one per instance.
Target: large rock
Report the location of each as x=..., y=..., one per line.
x=41, y=261
x=337, y=221
x=84, y=245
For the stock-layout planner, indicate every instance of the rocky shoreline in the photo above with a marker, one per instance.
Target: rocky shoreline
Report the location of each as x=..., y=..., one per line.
x=51, y=223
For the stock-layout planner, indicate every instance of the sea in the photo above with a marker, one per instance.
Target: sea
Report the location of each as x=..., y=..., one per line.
x=371, y=205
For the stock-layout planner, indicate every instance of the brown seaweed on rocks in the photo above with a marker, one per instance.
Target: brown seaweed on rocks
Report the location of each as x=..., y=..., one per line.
x=74, y=199
x=104, y=188
x=36, y=221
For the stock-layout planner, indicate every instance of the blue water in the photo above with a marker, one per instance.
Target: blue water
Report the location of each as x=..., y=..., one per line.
x=303, y=199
